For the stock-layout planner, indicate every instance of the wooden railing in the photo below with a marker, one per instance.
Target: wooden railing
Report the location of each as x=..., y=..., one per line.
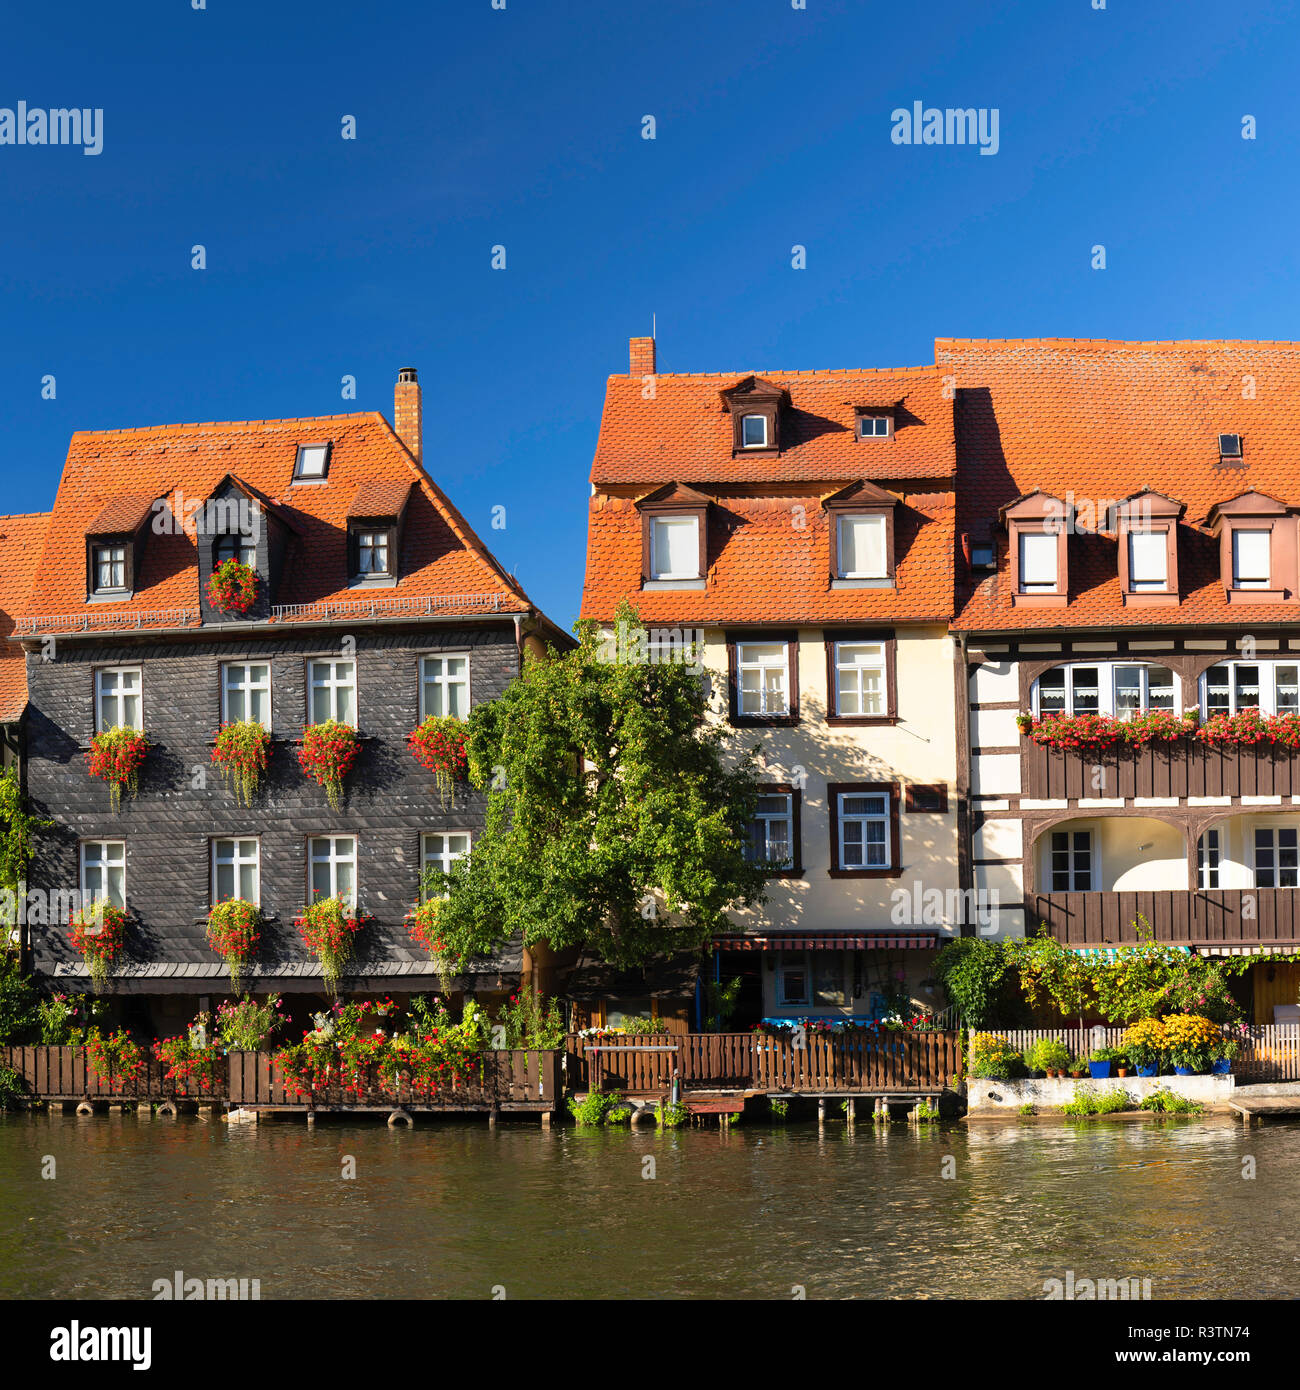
x=644, y=1064
x=1185, y=767
x=520, y=1079
x=1269, y=1051
x=65, y=1073
x=1207, y=917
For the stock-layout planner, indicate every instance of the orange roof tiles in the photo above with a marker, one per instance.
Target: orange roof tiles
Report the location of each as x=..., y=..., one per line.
x=768, y=539
x=108, y=472
x=21, y=539
x=1100, y=420
x=684, y=434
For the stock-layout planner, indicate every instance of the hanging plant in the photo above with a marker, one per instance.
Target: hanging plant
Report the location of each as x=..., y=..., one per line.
x=233, y=934
x=233, y=587
x=422, y=924
x=117, y=755
x=242, y=751
x=439, y=744
x=327, y=754
x=99, y=933
x=329, y=927
x=116, y=1060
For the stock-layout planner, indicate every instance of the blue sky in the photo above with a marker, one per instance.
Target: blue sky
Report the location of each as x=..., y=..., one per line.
x=522, y=127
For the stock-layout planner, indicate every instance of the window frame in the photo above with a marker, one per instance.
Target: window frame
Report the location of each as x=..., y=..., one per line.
x=1158, y=542
x=241, y=543
x=123, y=543
x=226, y=667
x=1107, y=675
x=82, y=846
x=1209, y=859
x=445, y=682
x=1273, y=828
x=323, y=476
x=915, y=790
x=1094, y=858
x=856, y=637
x=1038, y=587
x=893, y=843
x=880, y=519
x=426, y=859
x=793, y=816
x=863, y=416
x=333, y=860
x=236, y=863
x=1265, y=663
x=1253, y=585
x=737, y=640
x=310, y=686
x=99, y=673
x=675, y=519
x=745, y=418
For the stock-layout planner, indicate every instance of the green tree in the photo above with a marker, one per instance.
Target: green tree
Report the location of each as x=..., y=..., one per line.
x=1049, y=969
x=617, y=813
x=974, y=972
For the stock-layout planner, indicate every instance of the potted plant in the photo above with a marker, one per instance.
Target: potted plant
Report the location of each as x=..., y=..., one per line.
x=439, y=745
x=242, y=750
x=1191, y=1040
x=1225, y=1050
x=98, y=931
x=233, y=587
x=992, y=1058
x=328, y=751
x=1049, y=1055
x=1099, y=1063
x=1145, y=1045
x=328, y=927
x=233, y=934
x=117, y=755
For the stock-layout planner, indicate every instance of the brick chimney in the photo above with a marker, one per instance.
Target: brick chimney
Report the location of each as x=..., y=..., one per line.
x=407, y=411
x=641, y=352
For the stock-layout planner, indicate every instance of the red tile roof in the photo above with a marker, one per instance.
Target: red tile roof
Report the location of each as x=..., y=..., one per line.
x=685, y=435
x=768, y=538
x=21, y=539
x=109, y=472
x=1100, y=420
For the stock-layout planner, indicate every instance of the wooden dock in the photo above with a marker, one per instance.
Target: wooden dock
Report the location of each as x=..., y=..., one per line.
x=1254, y=1110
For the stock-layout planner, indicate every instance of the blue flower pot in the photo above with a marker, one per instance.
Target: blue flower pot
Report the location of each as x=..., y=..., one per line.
x=1099, y=1071
x=1185, y=1071
x=1222, y=1067
x=1152, y=1070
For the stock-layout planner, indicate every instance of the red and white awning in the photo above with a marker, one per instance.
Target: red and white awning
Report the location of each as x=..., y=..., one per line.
x=826, y=941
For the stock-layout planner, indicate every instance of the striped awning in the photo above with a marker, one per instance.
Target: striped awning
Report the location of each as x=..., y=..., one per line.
x=826, y=941
x=1109, y=953
x=1259, y=949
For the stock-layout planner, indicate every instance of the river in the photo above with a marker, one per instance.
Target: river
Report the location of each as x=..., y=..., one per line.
x=453, y=1208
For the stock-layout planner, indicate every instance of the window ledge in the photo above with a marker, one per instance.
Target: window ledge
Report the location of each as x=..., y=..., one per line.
x=383, y=581
x=764, y=721
x=862, y=584
x=111, y=596
x=862, y=720
x=1256, y=595
x=651, y=586
x=271, y=917
x=864, y=873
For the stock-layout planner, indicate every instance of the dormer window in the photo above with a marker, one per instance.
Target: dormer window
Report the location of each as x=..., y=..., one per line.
x=1250, y=559
x=674, y=547
x=109, y=568
x=1038, y=529
x=875, y=425
x=1147, y=531
x=1038, y=562
x=1229, y=446
x=1148, y=562
x=862, y=542
x=312, y=464
x=376, y=525
x=373, y=551
x=236, y=546
x=753, y=431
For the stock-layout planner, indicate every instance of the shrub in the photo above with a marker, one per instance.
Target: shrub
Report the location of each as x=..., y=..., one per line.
x=593, y=1109
x=672, y=1115
x=993, y=1058
x=1145, y=1042
x=242, y=751
x=11, y=1087
x=116, y=1060
x=192, y=1056
x=1191, y=1040
x=19, y=1007
x=1165, y=1102
x=248, y=1026
x=1048, y=1054
x=973, y=972
x=1108, y=1102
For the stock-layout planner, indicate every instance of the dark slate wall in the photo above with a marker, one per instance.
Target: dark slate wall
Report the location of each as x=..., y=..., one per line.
x=389, y=798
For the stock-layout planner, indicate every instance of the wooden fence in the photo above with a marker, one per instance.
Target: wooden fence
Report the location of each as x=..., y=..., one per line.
x=1269, y=1051
x=517, y=1080
x=644, y=1064
x=65, y=1073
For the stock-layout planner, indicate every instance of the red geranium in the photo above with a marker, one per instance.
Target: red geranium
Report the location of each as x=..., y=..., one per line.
x=327, y=754
x=439, y=744
x=117, y=755
x=233, y=587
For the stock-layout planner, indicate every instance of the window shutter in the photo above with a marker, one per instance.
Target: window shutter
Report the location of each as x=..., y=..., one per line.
x=1037, y=560
x=1147, y=558
x=862, y=547
x=1250, y=557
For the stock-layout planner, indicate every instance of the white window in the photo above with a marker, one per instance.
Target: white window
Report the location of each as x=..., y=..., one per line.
x=1250, y=559
x=441, y=851
x=1037, y=562
x=333, y=691
x=862, y=547
x=444, y=686
x=1148, y=561
x=1071, y=861
x=103, y=871
x=792, y=978
x=1277, y=857
x=246, y=692
x=674, y=547
x=236, y=867
x=1272, y=687
x=873, y=427
x=372, y=552
x=313, y=461
x=753, y=431
x=117, y=698
x=333, y=867
x=1122, y=689
x=864, y=840
x=763, y=671
x=771, y=832
x=110, y=568
x=237, y=546
x=1207, y=859
x=860, y=683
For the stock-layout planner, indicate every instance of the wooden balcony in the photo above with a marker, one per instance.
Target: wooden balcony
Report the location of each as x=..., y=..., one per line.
x=1219, y=916
x=1183, y=768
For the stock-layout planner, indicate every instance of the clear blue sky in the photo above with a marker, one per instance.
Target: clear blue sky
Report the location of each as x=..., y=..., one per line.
x=523, y=127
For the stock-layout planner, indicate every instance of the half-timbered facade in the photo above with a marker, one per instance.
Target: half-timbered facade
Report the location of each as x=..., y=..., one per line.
x=1127, y=550
x=798, y=527
x=376, y=605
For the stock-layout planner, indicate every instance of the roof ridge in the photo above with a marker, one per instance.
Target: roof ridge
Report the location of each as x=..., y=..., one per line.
x=20, y=516
x=1146, y=344
x=779, y=371
x=224, y=424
